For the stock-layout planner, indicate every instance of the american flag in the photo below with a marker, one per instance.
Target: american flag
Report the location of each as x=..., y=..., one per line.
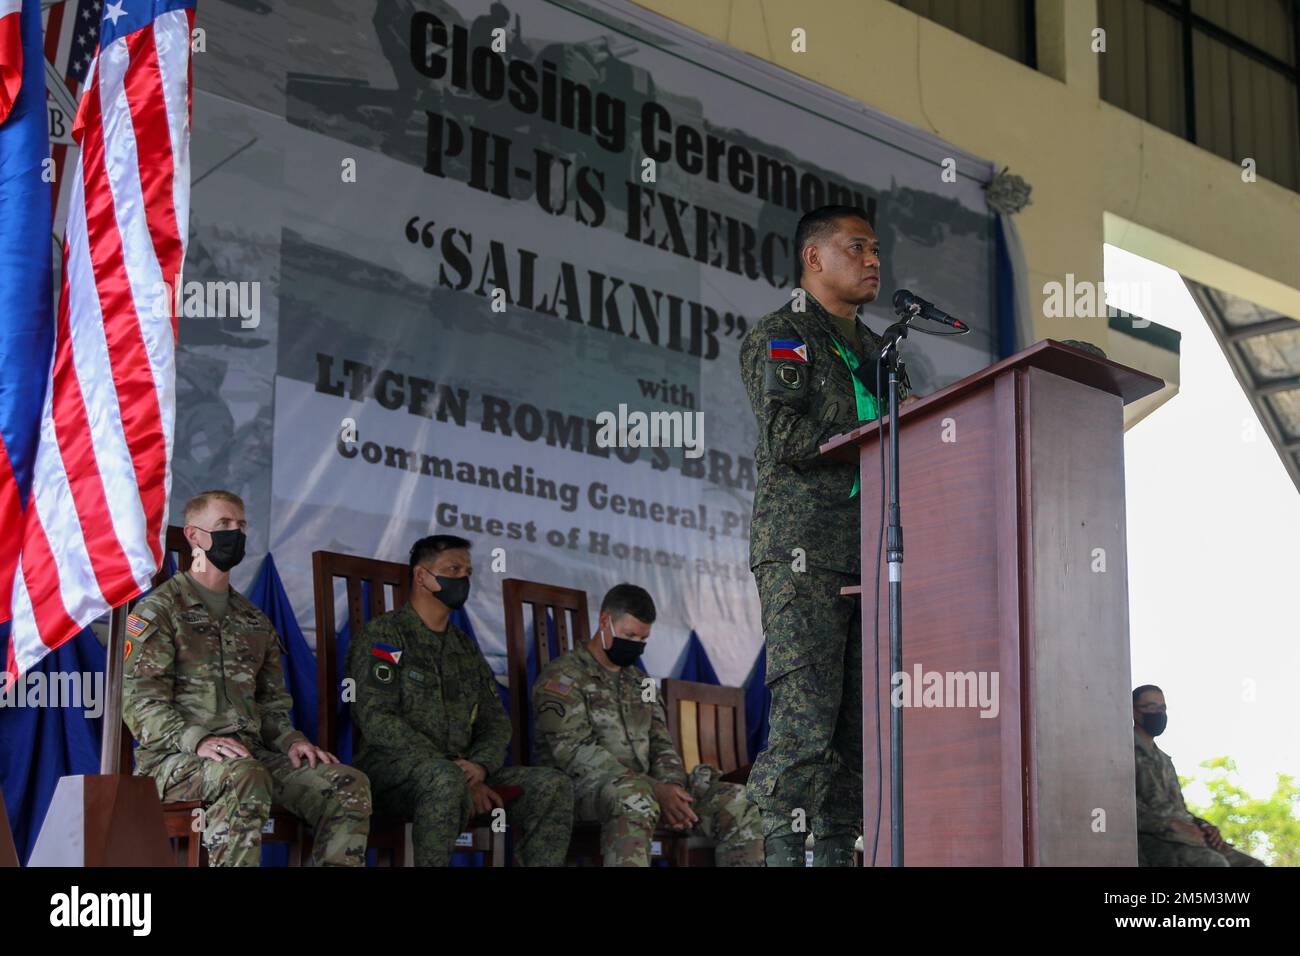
x=71, y=39
x=11, y=55
x=92, y=536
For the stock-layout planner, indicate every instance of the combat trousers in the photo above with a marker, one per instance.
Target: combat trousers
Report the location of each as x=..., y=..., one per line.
x=433, y=794
x=626, y=809
x=810, y=775
x=333, y=799
x=1153, y=851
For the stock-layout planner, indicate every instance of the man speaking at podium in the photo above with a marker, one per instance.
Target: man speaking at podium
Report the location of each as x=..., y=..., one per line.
x=798, y=367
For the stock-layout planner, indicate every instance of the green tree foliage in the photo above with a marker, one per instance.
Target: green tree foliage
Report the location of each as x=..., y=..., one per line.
x=1268, y=829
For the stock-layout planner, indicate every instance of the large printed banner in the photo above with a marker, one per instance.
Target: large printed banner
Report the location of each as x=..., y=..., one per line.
x=460, y=263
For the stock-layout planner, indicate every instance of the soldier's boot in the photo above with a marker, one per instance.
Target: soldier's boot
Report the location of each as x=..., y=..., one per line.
x=834, y=849
x=232, y=823
x=785, y=848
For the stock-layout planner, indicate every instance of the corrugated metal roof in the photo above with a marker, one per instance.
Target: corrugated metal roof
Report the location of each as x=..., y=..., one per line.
x=1263, y=348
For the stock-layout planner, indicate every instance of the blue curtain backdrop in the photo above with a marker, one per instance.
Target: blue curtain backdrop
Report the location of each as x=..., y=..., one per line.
x=39, y=745
x=757, y=700
x=694, y=663
x=267, y=592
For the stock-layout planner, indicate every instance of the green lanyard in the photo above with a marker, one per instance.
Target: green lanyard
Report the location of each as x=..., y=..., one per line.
x=867, y=409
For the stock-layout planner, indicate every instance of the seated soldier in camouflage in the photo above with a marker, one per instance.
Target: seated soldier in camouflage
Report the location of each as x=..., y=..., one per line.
x=433, y=731
x=1167, y=834
x=597, y=717
x=203, y=692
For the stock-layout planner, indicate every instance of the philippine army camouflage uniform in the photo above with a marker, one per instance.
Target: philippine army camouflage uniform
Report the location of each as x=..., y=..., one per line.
x=187, y=677
x=813, y=759
x=597, y=726
x=438, y=702
x=1159, y=803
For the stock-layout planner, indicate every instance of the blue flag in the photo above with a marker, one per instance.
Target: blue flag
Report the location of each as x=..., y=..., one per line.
x=694, y=663
x=26, y=274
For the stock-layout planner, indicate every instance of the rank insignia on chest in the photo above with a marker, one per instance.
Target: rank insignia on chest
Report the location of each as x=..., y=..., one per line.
x=791, y=349
x=135, y=626
x=386, y=652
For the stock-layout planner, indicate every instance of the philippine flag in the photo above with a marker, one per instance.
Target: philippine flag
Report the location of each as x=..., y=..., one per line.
x=791, y=349
x=386, y=652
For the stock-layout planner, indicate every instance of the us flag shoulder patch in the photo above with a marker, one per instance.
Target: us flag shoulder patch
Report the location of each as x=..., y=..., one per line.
x=135, y=626
x=559, y=685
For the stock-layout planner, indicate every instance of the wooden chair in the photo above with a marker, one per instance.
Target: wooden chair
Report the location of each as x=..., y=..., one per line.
x=567, y=609
x=179, y=816
x=707, y=723
x=387, y=835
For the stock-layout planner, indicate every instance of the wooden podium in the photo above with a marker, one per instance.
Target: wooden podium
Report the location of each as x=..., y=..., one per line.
x=1014, y=569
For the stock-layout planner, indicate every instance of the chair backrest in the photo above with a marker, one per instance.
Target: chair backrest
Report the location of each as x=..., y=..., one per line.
x=567, y=608
x=707, y=723
x=326, y=566
x=176, y=545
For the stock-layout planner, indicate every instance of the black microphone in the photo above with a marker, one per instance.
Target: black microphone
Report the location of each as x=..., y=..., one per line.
x=906, y=301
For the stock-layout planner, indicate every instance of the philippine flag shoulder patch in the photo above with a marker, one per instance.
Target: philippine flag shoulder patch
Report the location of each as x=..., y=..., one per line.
x=386, y=652
x=789, y=349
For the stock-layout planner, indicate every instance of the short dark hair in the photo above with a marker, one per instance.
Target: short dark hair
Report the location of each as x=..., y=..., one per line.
x=815, y=225
x=1139, y=691
x=629, y=599
x=432, y=546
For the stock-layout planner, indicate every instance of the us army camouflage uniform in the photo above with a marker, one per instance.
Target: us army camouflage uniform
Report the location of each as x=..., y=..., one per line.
x=1159, y=803
x=188, y=677
x=813, y=759
x=597, y=726
x=416, y=717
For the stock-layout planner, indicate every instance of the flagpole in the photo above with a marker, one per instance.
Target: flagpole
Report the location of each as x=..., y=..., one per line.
x=110, y=746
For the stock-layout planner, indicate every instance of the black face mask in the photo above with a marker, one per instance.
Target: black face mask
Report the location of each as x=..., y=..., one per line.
x=227, y=549
x=623, y=652
x=454, y=593
x=1154, y=724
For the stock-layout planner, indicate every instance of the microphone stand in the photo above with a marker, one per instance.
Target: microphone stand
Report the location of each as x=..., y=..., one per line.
x=888, y=356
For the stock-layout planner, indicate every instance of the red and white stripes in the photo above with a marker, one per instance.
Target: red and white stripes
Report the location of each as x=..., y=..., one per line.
x=11, y=54
x=103, y=475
